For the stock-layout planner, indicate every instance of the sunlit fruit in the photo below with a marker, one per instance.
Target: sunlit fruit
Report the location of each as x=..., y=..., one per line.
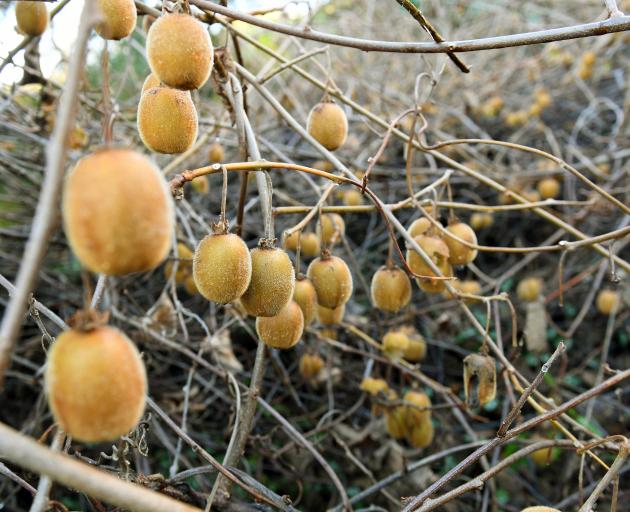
x=184, y=264
x=328, y=125
x=548, y=188
x=222, y=267
x=395, y=342
x=305, y=296
x=96, y=384
x=529, y=289
x=390, y=289
x=310, y=365
x=283, y=330
x=459, y=253
x=419, y=227
x=331, y=228
x=309, y=245
x=272, y=283
x=352, y=197
x=167, y=120
x=179, y=51
x=332, y=280
x=150, y=82
x=31, y=17
x=328, y=316
x=118, y=213
x=118, y=18
x=481, y=220
x=216, y=153
x=608, y=302
x=438, y=253
x=421, y=435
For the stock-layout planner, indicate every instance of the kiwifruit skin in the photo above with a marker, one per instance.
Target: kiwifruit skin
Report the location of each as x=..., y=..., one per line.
x=352, y=198
x=548, y=188
x=283, y=330
x=305, y=296
x=395, y=341
x=309, y=245
x=328, y=125
x=150, y=82
x=96, y=384
x=421, y=435
x=118, y=212
x=328, y=316
x=459, y=254
x=119, y=19
x=216, y=154
x=395, y=423
x=310, y=365
x=416, y=351
x=608, y=301
x=332, y=280
x=540, y=508
x=31, y=17
x=529, y=289
x=419, y=226
x=415, y=416
x=272, y=283
x=390, y=289
x=330, y=223
x=438, y=251
x=222, y=267
x=167, y=120
x=179, y=51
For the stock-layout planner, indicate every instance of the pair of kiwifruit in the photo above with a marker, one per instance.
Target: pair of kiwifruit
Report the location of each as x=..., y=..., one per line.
x=405, y=342
x=326, y=288
x=411, y=421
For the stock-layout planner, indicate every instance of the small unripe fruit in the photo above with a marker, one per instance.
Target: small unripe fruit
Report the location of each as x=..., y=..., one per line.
x=416, y=351
x=96, y=384
x=167, y=120
x=373, y=386
x=311, y=365
x=283, y=330
x=117, y=212
x=150, y=82
x=419, y=227
x=31, y=17
x=390, y=289
x=328, y=125
x=309, y=245
x=608, y=302
x=201, y=185
x=222, y=267
x=481, y=220
x=395, y=342
x=118, y=18
x=331, y=228
x=460, y=254
x=179, y=51
x=272, y=283
x=352, y=197
x=421, y=435
x=418, y=409
x=327, y=316
x=184, y=264
x=306, y=297
x=332, y=280
x=216, y=154
x=438, y=252
x=548, y=188
x=529, y=289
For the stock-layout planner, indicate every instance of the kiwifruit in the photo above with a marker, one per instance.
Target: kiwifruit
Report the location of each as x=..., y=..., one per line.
x=328, y=316
x=118, y=18
x=31, y=17
x=272, y=283
x=184, y=264
x=438, y=252
x=481, y=220
x=395, y=422
x=310, y=365
x=323, y=165
x=589, y=58
x=390, y=289
x=531, y=195
x=529, y=289
x=179, y=51
x=328, y=125
x=419, y=227
x=332, y=280
x=395, y=342
x=352, y=197
x=306, y=297
x=467, y=286
x=416, y=350
x=118, y=212
x=283, y=330
x=150, y=82
x=167, y=120
x=201, y=185
x=216, y=153
x=548, y=188
x=331, y=227
x=608, y=302
x=290, y=243
x=418, y=408
x=460, y=254
x=309, y=245
x=373, y=386
x=190, y=285
x=96, y=384
x=545, y=456
x=421, y=435
x=222, y=267
x=540, y=508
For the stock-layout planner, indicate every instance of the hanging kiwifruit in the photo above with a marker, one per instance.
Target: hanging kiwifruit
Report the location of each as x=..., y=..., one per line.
x=310, y=365
x=459, y=253
x=272, y=283
x=167, y=120
x=283, y=330
x=438, y=252
x=332, y=280
x=417, y=409
x=529, y=289
x=179, y=51
x=150, y=82
x=417, y=348
x=608, y=302
x=309, y=245
x=201, y=185
x=328, y=125
x=421, y=435
x=395, y=342
x=331, y=228
x=118, y=212
x=395, y=422
x=352, y=197
x=548, y=188
x=96, y=384
x=373, y=386
x=419, y=227
x=31, y=17
x=306, y=297
x=118, y=18
x=222, y=267
x=216, y=153
x=328, y=316
x=481, y=220
x=390, y=289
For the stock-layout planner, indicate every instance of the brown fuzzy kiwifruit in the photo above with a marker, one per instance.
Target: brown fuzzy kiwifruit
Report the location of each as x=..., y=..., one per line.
x=309, y=245
x=216, y=153
x=272, y=283
x=201, y=185
x=167, y=120
x=352, y=197
x=395, y=342
x=150, y=82
x=306, y=297
x=310, y=365
x=373, y=386
x=222, y=267
x=390, y=289
x=31, y=17
x=118, y=212
x=96, y=384
x=459, y=253
x=328, y=125
x=529, y=289
x=179, y=51
x=331, y=228
x=481, y=220
x=332, y=280
x=417, y=408
x=118, y=18
x=608, y=302
x=548, y=188
x=395, y=422
x=419, y=227
x=421, y=435
x=283, y=330
x=290, y=242
x=438, y=252
x=330, y=316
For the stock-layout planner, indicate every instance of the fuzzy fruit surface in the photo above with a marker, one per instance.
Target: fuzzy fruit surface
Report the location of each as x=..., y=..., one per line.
x=328, y=125
x=421, y=435
x=608, y=302
x=332, y=280
x=167, y=120
x=390, y=289
x=438, y=252
x=331, y=228
x=222, y=267
x=216, y=154
x=117, y=212
x=179, y=51
x=272, y=283
x=419, y=227
x=305, y=296
x=96, y=384
x=283, y=330
x=459, y=253
x=31, y=17
x=311, y=365
x=118, y=18
x=328, y=316
x=529, y=289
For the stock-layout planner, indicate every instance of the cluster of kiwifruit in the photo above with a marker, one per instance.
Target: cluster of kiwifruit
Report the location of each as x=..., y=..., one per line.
x=405, y=342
